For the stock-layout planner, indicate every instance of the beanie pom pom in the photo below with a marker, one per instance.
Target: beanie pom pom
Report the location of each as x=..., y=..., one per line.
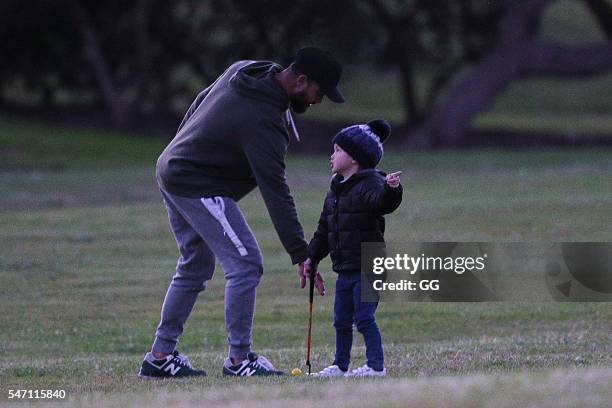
x=381, y=128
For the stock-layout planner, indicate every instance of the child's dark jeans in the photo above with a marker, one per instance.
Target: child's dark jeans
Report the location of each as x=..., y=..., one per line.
x=349, y=309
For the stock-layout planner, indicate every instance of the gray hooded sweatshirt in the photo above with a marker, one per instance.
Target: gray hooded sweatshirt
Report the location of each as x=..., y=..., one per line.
x=232, y=139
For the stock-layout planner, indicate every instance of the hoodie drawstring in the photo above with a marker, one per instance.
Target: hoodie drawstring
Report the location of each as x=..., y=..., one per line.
x=292, y=125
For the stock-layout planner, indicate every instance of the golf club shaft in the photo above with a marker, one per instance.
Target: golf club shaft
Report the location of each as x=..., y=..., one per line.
x=311, y=299
x=309, y=331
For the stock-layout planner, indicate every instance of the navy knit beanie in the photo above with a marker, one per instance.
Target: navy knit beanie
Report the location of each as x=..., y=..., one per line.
x=364, y=142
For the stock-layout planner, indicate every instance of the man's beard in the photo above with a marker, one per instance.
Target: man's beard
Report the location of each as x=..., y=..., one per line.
x=298, y=102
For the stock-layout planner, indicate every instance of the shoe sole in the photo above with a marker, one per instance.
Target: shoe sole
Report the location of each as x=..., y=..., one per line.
x=325, y=376
x=256, y=375
x=276, y=374
x=155, y=378
x=365, y=376
x=149, y=378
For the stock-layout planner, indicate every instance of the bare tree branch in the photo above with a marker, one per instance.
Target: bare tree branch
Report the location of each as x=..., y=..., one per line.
x=477, y=89
x=401, y=43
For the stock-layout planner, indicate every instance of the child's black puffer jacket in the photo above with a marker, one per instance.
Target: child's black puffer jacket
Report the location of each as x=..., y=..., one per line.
x=353, y=213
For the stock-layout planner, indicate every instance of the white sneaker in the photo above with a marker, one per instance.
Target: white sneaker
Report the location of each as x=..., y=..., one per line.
x=331, y=371
x=366, y=371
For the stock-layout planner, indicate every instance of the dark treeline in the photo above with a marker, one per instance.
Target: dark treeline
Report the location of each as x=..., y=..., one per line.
x=148, y=57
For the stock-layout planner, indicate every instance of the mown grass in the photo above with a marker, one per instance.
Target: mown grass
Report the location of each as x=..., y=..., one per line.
x=34, y=146
x=578, y=388
x=86, y=255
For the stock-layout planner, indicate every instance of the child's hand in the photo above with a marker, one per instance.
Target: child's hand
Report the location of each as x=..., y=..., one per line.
x=307, y=269
x=393, y=179
x=304, y=272
x=319, y=283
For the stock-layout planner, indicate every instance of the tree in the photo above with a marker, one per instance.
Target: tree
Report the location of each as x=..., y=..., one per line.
x=496, y=41
x=518, y=54
x=141, y=57
x=149, y=57
x=433, y=40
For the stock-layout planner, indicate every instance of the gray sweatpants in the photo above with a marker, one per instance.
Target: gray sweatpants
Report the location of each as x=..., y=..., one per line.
x=206, y=229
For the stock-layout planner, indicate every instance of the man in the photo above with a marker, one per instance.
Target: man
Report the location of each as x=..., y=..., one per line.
x=233, y=138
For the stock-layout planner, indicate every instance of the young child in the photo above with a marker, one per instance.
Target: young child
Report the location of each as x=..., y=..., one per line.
x=353, y=213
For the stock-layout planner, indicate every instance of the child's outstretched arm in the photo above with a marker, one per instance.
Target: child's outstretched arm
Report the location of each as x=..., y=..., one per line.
x=386, y=198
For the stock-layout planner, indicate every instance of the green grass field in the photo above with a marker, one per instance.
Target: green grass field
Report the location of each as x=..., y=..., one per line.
x=86, y=256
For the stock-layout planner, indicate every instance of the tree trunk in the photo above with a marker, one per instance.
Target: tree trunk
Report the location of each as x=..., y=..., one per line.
x=476, y=91
x=400, y=36
x=142, y=79
x=118, y=107
x=602, y=11
x=412, y=115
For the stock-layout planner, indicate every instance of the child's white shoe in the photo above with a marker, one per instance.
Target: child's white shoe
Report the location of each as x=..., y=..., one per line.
x=366, y=371
x=331, y=371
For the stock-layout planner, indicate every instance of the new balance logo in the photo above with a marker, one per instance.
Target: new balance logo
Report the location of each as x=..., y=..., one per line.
x=172, y=368
x=247, y=371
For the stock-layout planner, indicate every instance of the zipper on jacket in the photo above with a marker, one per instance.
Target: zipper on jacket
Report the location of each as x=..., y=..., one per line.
x=336, y=223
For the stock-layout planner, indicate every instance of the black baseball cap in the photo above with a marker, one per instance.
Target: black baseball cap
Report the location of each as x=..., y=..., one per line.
x=321, y=67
